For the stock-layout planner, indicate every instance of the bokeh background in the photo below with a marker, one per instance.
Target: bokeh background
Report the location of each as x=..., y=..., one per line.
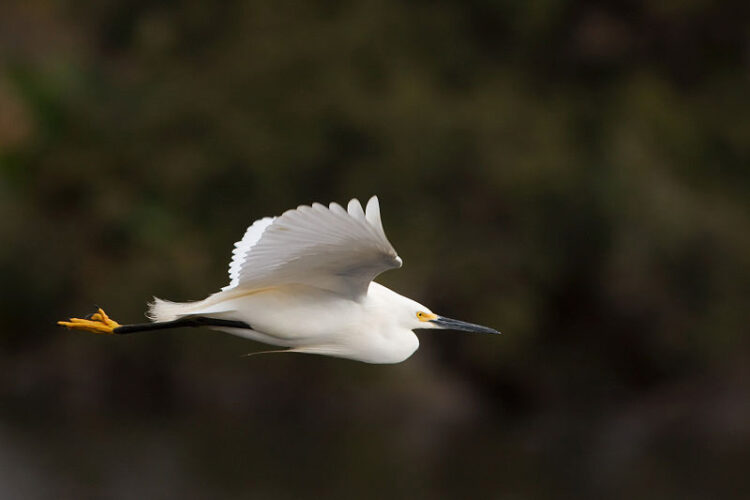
x=575, y=174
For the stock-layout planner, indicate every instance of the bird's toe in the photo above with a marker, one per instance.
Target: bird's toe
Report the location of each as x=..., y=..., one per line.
x=98, y=322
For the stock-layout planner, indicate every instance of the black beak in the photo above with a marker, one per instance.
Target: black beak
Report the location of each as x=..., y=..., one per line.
x=454, y=324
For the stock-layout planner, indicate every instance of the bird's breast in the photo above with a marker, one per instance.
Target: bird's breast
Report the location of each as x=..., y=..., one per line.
x=325, y=322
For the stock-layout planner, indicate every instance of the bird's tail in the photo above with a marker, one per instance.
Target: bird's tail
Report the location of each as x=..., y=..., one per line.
x=160, y=310
x=165, y=310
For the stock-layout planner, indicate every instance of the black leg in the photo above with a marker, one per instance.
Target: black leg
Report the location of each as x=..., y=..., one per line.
x=179, y=323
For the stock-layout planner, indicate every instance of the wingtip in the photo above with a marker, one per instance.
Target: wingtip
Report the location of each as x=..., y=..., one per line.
x=336, y=208
x=373, y=204
x=373, y=214
x=355, y=209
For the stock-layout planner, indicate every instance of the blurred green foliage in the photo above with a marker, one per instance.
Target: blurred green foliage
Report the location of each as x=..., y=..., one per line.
x=572, y=173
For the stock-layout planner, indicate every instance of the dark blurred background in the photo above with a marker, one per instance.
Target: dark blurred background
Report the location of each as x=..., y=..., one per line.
x=575, y=174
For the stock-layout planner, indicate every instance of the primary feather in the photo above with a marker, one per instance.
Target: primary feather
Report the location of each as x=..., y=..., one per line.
x=242, y=247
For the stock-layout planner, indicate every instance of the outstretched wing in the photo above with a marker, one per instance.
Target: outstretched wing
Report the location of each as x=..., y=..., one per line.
x=325, y=247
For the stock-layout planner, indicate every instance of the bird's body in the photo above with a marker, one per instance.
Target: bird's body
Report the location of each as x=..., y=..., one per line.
x=303, y=281
x=312, y=320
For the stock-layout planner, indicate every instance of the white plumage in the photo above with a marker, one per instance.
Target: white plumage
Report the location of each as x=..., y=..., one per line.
x=325, y=247
x=242, y=247
x=303, y=280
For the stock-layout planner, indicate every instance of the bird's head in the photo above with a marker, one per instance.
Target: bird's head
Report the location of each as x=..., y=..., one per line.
x=413, y=315
x=424, y=318
x=418, y=316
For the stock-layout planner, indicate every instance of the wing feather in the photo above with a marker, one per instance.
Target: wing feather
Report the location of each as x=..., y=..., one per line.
x=327, y=247
x=242, y=247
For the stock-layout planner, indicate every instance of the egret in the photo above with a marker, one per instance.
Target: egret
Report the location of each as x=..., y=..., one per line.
x=304, y=281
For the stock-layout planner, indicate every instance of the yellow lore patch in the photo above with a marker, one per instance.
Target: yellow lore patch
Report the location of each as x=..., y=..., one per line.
x=423, y=316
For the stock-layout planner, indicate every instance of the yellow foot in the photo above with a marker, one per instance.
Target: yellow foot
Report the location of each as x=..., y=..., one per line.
x=98, y=322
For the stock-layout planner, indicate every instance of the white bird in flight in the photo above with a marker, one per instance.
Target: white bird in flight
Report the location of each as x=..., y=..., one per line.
x=304, y=281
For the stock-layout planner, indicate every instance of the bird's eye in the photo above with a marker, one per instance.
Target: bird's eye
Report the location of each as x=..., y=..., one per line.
x=420, y=315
